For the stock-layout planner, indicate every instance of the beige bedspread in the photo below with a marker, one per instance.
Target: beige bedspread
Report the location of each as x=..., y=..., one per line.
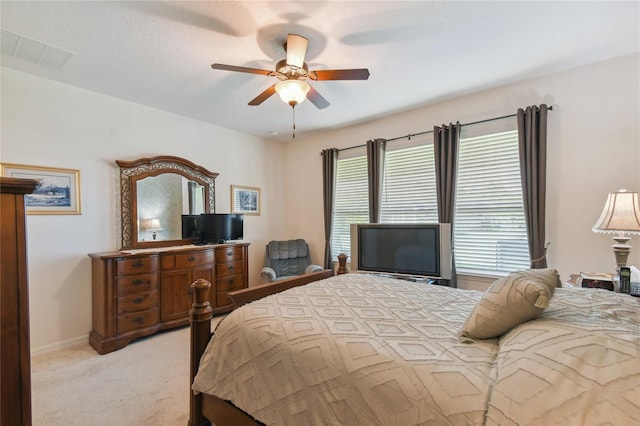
x=360, y=349
x=577, y=364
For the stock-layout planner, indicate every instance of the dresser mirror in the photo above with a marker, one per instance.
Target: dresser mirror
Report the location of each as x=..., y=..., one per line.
x=154, y=194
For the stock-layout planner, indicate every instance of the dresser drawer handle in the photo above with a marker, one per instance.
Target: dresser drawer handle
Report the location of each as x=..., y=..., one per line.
x=138, y=282
x=138, y=264
x=191, y=259
x=138, y=319
x=229, y=253
x=231, y=268
x=230, y=281
x=138, y=300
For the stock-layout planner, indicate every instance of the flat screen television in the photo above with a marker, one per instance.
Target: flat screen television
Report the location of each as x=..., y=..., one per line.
x=421, y=250
x=218, y=228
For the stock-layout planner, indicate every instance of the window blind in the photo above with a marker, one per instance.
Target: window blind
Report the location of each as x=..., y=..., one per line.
x=351, y=201
x=409, y=184
x=489, y=227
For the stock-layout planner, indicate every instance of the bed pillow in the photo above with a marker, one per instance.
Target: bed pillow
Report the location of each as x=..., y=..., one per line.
x=519, y=297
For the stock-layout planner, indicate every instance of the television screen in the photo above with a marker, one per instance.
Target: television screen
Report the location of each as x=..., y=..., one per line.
x=412, y=249
x=221, y=227
x=404, y=250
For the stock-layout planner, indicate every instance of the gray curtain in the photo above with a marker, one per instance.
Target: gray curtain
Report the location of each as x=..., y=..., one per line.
x=329, y=157
x=532, y=141
x=375, y=168
x=445, y=148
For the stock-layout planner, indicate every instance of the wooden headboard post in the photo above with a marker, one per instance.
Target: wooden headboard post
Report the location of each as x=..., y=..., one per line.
x=201, y=314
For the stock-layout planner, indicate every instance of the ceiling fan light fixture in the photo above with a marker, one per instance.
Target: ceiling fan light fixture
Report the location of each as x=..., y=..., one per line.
x=292, y=92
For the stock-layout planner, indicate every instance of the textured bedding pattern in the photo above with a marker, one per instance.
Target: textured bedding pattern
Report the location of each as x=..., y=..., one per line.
x=360, y=349
x=577, y=364
x=354, y=349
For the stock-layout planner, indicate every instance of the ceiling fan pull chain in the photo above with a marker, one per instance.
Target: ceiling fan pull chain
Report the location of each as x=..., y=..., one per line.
x=293, y=111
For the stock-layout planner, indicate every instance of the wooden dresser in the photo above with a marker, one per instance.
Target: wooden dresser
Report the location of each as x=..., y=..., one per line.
x=15, y=370
x=136, y=293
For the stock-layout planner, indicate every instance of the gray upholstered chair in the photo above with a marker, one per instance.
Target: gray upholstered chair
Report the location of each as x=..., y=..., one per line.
x=284, y=259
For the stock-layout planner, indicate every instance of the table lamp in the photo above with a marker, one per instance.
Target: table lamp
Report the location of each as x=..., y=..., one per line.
x=151, y=225
x=621, y=216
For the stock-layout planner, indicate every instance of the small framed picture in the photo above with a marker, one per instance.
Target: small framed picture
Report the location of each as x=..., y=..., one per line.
x=58, y=191
x=245, y=199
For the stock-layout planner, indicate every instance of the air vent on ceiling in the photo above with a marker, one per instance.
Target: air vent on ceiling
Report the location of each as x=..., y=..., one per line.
x=34, y=51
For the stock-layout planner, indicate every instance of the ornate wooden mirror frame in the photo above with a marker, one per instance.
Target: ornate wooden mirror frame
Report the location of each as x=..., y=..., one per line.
x=133, y=171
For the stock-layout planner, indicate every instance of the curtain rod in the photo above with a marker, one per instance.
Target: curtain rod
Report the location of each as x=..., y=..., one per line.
x=409, y=136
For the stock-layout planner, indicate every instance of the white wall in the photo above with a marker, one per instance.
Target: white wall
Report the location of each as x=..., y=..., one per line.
x=593, y=148
x=50, y=124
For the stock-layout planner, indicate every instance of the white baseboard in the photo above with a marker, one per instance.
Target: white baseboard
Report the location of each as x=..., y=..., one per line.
x=59, y=345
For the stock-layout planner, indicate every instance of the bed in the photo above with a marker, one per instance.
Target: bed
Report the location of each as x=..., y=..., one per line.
x=373, y=350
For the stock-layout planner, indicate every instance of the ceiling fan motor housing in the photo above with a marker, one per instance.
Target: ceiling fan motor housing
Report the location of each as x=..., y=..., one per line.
x=285, y=71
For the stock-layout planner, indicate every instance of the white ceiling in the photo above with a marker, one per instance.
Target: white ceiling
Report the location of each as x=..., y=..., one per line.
x=418, y=52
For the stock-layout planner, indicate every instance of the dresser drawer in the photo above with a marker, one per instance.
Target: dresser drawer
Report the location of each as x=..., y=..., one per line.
x=136, y=284
x=137, y=320
x=137, y=265
x=234, y=282
x=194, y=259
x=223, y=288
x=187, y=260
x=137, y=302
x=229, y=253
x=229, y=268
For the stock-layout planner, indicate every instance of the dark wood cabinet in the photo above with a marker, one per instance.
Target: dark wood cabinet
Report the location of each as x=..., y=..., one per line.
x=15, y=369
x=137, y=293
x=175, y=295
x=178, y=272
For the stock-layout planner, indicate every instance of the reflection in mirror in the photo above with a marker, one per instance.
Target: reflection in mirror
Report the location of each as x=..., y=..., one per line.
x=162, y=200
x=160, y=207
x=196, y=198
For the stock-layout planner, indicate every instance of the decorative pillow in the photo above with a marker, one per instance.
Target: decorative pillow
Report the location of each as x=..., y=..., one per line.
x=519, y=297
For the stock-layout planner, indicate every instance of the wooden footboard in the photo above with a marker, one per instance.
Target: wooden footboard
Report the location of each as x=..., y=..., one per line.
x=240, y=297
x=204, y=409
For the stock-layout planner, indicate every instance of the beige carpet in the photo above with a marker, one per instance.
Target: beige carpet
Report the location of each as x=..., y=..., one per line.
x=145, y=383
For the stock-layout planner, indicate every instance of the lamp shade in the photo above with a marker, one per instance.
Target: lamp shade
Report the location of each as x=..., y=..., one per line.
x=621, y=213
x=150, y=225
x=292, y=92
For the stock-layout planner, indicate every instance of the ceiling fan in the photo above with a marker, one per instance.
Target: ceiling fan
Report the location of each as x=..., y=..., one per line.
x=293, y=73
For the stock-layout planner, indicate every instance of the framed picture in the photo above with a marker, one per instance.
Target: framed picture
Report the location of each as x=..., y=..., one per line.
x=245, y=199
x=58, y=191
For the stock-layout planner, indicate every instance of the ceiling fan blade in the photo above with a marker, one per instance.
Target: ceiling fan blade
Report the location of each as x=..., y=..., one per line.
x=263, y=96
x=239, y=69
x=352, y=74
x=317, y=99
x=296, y=49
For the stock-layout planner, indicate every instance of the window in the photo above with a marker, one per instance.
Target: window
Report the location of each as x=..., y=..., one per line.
x=489, y=226
x=409, y=184
x=489, y=230
x=351, y=202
